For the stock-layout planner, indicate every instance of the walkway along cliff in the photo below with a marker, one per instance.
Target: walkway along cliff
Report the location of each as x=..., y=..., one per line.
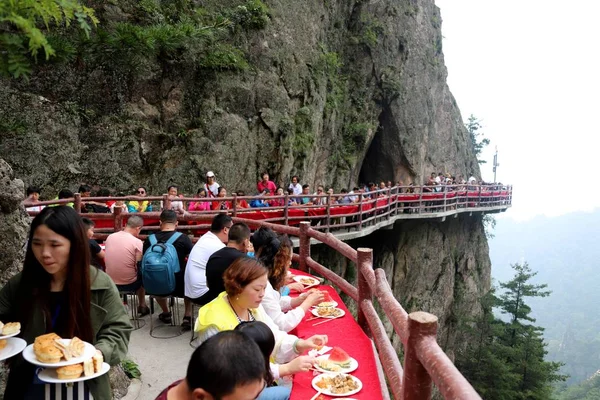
x=337, y=92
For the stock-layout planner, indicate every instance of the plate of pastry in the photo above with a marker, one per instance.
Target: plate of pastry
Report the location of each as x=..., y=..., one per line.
x=50, y=350
x=9, y=329
x=89, y=369
x=11, y=347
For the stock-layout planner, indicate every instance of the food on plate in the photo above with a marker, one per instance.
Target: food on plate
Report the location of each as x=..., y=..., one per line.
x=49, y=354
x=329, y=312
x=88, y=367
x=318, y=348
x=11, y=327
x=70, y=371
x=72, y=350
x=340, y=357
x=1, y=326
x=337, y=384
x=327, y=304
x=98, y=360
x=3, y=343
x=328, y=365
x=308, y=281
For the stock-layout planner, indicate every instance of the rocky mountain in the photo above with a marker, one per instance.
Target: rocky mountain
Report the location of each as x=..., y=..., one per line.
x=337, y=92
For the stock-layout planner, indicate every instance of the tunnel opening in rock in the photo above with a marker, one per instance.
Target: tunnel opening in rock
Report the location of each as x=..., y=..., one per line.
x=385, y=159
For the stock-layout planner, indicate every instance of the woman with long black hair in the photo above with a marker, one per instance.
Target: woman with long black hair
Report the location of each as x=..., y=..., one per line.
x=58, y=291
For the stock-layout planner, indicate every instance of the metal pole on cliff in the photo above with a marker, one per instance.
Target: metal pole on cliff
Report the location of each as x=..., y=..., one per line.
x=496, y=165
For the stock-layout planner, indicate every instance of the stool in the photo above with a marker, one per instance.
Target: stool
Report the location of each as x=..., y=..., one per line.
x=135, y=320
x=173, y=305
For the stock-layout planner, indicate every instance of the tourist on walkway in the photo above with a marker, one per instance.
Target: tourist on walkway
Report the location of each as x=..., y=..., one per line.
x=33, y=197
x=174, y=204
x=123, y=252
x=211, y=186
x=275, y=252
x=140, y=205
x=96, y=253
x=228, y=366
x=200, y=205
x=209, y=243
x=58, y=291
x=238, y=245
x=221, y=205
x=266, y=184
x=183, y=245
x=295, y=186
x=245, y=284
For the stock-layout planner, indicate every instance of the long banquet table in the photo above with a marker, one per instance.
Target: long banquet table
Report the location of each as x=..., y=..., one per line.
x=347, y=334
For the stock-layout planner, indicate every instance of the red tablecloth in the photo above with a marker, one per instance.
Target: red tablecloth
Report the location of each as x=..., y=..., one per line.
x=345, y=333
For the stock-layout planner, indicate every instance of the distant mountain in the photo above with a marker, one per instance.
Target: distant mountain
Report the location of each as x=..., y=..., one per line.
x=565, y=251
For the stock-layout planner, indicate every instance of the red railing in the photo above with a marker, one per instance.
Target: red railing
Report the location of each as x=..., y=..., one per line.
x=381, y=206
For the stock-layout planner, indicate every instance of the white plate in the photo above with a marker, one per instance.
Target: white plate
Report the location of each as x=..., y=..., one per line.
x=49, y=375
x=300, y=278
x=328, y=393
x=11, y=335
x=353, y=366
x=13, y=347
x=331, y=303
x=315, y=312
x=88, y=352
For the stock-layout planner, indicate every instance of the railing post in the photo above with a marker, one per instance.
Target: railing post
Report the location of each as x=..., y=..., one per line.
x=285, y=209
x=360, y=211
x=166, y=202
x=417, y=382
x=328, y=211
x=364, y=261
x=421, y=199
x=304, y=249
x=118, y=219
x=234, y=205
x=389, y=207
x=77, y=202
x=479, y=201
x=445, y=197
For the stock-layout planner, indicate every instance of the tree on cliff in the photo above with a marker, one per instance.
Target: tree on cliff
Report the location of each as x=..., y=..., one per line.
x=478, y=141
x=25, y=24
x=505, y=356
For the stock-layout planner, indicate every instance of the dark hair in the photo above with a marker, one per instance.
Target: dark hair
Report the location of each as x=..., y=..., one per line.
x=65, y=194
x=142, y=187
x=238, y=233
x=201, y=190
x=219, y=222
x=35, y=281
x=263, y=174
x=84, y=188
x=88, y=223
x=273, y=251
x=241, y=193
x=344, y=190
x=355, y=188
x=290, y=191
x=168, y=216
x=223, y=362
x=240, y=273
x=103, y=192
x=305, y=186
x=33, y=189
x=263, y=336
x=220, y=189
x=171, y=187
x=297, y=179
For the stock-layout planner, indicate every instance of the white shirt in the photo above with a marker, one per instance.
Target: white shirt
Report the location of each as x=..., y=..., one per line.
x=214, y=189
x=195, y=270
x=276, y=306
x=296, y=188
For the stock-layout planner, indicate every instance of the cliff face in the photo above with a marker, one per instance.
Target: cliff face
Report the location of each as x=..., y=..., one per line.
x=334, y=91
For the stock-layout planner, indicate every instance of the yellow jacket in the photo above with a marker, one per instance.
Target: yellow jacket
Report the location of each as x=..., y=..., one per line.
x=219, y=314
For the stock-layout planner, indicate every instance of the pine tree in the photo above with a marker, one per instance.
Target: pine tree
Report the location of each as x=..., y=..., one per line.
x=505, y=359
x=473, y=127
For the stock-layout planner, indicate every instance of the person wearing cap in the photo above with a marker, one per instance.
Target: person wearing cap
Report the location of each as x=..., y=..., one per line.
x=211, y=186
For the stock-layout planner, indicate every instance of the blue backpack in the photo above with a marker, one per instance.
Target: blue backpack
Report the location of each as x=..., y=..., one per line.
x=159, y=265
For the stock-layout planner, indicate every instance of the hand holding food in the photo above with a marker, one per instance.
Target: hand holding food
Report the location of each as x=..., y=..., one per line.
x=312, y=342
x=298, y=287
x=312, y=299
x=300, y=364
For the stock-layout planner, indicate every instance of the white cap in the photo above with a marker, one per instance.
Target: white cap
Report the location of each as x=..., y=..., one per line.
x=210, y=174
x=472, y=179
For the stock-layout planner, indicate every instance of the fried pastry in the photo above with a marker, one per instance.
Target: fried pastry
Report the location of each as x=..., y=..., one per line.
x=70, y=371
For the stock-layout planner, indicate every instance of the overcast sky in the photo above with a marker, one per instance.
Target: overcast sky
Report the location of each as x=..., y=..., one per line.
x=530, y=71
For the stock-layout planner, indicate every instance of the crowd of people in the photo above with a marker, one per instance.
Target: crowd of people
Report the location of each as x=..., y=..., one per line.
x=240, y=280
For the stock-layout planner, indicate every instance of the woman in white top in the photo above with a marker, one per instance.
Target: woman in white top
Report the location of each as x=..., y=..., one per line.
x=176, y=205
x=275, y=252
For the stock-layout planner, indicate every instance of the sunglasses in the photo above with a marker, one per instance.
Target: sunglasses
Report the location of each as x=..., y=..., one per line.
x=141, y=192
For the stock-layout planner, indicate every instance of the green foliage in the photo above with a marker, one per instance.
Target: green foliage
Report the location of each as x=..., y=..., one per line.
x=329, y=65
x=478, y=141
x=11, y=125
x=304, y=137
x=391, y=85
x=489, y=223
x=254, y=14
x=354, y=138
x=505, y=359
x=131, y=369
x=25, y=25
x=586, y=390
x=224, y=57
x=371, y=30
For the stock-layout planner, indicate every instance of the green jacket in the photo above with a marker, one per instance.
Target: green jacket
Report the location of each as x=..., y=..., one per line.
x=110, y=324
